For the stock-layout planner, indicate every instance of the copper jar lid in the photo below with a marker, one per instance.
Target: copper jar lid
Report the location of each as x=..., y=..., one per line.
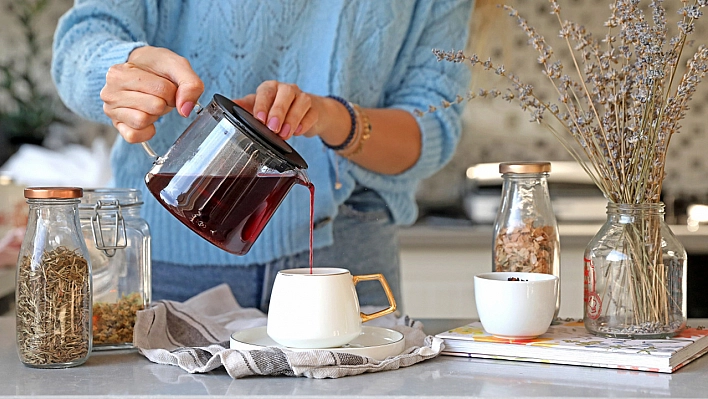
x=53, y=192
x=525, y=167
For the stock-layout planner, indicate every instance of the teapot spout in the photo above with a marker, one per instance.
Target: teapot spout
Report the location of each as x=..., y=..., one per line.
x=303, y=176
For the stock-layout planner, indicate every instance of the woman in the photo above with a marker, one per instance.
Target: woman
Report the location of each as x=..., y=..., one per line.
x=129, y=63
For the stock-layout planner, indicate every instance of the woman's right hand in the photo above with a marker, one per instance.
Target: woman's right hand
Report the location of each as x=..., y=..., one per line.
x=150, y=84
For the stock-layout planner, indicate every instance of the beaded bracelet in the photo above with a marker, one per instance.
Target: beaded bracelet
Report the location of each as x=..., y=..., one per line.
x=363, y=134
x=353, y=130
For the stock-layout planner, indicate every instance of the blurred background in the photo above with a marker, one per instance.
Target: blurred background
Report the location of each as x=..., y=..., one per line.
x=494, y=131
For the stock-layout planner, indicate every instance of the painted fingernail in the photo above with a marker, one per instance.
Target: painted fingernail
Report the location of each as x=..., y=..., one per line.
x=261, y=116
x=187, y=108
x=299, y=129
x=273, y=124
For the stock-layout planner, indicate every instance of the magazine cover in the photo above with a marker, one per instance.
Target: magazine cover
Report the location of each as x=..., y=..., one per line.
x=567, y=342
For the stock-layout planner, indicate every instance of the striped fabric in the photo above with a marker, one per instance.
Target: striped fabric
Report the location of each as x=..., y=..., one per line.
x=194, y=335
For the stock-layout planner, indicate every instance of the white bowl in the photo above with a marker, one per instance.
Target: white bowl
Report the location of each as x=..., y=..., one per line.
x=515, y=309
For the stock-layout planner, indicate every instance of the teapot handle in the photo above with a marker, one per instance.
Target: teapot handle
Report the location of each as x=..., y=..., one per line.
x=151, y=153
x=148, y=149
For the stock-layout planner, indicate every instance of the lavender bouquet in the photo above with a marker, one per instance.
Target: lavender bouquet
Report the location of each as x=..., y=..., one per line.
x=621, y=101
x=615, y=111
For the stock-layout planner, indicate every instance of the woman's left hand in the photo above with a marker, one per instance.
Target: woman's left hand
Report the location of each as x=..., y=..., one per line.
x=289, y=111
x=284, y=108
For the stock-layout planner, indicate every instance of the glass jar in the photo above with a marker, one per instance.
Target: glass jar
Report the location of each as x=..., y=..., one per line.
x=118, y=241
x=635, y=275
x=53, y=292
x=525, y=229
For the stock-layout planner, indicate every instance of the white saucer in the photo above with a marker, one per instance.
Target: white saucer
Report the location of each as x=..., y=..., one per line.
x=374, y=342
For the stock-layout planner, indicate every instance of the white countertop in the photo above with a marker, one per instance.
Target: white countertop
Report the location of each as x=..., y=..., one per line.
x=126, y=374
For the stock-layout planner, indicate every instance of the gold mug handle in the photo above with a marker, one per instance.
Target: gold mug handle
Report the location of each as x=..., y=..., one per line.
x=387, y=290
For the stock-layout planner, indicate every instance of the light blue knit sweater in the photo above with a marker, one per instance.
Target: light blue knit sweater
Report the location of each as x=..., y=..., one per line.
x=376, y=53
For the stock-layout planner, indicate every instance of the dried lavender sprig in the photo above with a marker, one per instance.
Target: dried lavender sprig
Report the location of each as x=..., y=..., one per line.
x=532, y=104
x=628, y=132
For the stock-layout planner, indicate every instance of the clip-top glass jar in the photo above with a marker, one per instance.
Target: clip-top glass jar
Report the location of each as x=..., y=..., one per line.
x=118, y=241
x=525, y=229
x=53, y=292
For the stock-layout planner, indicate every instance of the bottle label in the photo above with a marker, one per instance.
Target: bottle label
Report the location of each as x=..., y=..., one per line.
x=593, y=303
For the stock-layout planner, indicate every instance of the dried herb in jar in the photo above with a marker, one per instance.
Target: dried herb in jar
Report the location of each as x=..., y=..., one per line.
x=525, y=248
x=52, y=307
x=113, y=322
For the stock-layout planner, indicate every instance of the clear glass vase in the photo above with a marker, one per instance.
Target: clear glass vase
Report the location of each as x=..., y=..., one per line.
x=635, y=275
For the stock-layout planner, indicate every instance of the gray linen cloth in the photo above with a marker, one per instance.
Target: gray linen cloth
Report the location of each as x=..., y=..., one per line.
x=194, y=335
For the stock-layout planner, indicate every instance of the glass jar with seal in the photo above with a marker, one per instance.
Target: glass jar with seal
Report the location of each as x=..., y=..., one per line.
x=53, y=282
x=118, y=241
x=525, y=229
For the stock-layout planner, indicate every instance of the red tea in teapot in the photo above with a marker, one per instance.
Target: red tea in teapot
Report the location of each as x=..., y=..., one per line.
x=225, y=175
x=228, y=211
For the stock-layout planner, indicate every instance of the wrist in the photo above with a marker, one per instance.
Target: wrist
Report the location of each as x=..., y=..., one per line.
x=339, y=123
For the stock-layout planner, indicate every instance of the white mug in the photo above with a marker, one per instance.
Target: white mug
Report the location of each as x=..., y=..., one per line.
x=319, y=309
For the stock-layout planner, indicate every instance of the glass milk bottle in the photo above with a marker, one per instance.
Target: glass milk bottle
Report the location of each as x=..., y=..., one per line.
x=525, y=229
x=53, y=291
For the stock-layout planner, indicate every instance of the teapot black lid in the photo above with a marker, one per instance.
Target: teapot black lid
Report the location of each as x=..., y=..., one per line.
x=259, y=132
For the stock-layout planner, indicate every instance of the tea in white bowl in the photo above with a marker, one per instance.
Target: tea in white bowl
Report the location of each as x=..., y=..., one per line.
x=515, y=305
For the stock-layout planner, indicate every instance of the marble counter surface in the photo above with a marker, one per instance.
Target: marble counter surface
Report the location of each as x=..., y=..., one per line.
x=126, y=374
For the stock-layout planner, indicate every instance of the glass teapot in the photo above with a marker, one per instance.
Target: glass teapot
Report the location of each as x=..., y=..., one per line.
x=225, y=175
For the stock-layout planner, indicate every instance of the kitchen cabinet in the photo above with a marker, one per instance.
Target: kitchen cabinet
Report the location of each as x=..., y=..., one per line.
x=438, y=264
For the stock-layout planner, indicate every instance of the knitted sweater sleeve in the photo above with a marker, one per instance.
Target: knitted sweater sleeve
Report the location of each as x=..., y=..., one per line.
x=90, y=38
x=420, y=81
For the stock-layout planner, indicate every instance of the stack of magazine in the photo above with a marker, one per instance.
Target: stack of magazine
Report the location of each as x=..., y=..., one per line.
x=567, y=342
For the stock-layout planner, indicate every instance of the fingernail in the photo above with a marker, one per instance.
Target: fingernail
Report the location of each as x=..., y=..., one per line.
x=261, y=116
x=285, y=131
x=187, y=108
x=273, y=124
x=299, y=129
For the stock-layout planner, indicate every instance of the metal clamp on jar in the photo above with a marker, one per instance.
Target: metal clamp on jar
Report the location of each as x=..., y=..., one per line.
x=118, y=241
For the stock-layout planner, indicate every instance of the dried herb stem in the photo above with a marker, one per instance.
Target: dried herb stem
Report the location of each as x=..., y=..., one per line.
x=52, y=307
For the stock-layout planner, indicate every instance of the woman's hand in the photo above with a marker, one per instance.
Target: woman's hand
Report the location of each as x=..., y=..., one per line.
x=289, y=111
x=149, y=85
x=283, y=107
x=394, y=145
